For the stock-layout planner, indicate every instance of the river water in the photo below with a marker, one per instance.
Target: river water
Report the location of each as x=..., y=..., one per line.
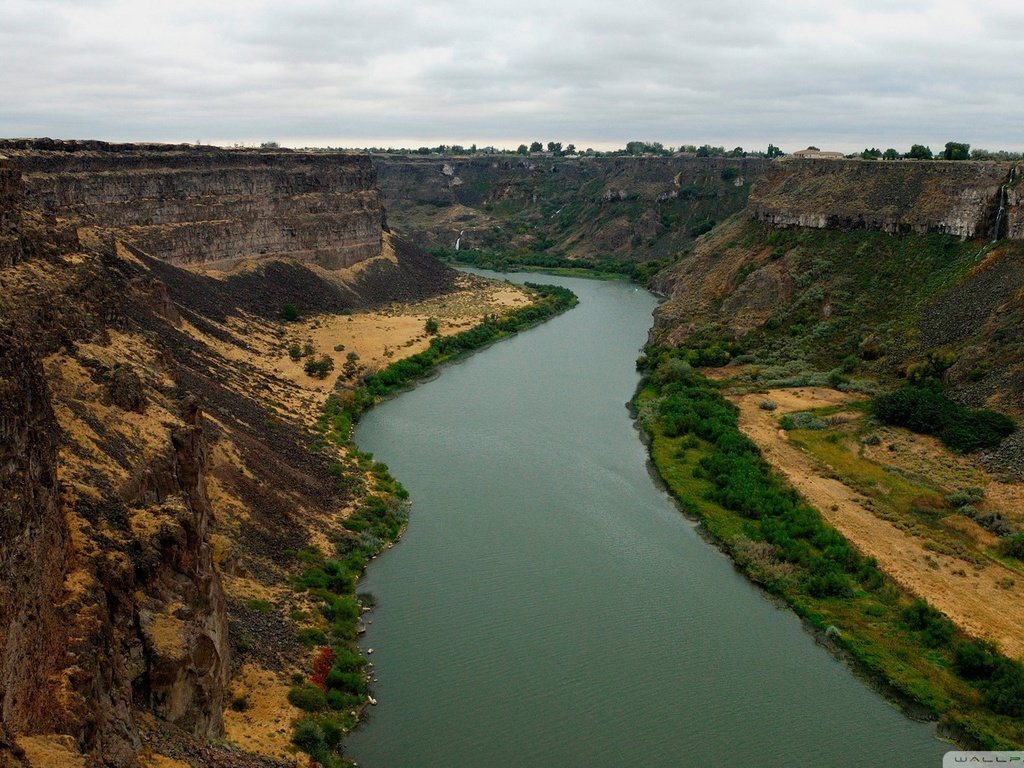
x=550, y=607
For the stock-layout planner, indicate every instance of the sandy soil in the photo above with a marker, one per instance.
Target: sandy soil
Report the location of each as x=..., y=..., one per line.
x=378, y=338
x=982, y=602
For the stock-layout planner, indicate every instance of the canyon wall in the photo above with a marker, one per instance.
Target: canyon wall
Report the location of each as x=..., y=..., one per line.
x=954, y=198
x=627, y=208
x=110, y=604
x=144, y=462
x=206, y=206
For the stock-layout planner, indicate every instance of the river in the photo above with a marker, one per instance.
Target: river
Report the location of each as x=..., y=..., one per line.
x=550, y=607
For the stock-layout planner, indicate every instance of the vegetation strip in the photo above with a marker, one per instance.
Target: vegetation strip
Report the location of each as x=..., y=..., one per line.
x=523, y=260
x=337, y=689
x=718, y=475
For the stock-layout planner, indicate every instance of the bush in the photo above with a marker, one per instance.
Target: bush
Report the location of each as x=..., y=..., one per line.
x=431, y=326
x=936, y=629
x=319, y=367
x=702, y=227
x=260, y=605
x=924, y=409
x=295, y=351
x=1004, y=693
x=311, y=637
x=307, y=736
x=975, y=659
x=1013, y=546
x=801, y=420
x=289, y=312
x=965, y=496
x=308, y=697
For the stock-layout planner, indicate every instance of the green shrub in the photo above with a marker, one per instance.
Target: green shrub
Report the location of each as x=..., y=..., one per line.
x=702, y=227
x=431, y=326
x=311, y=637
x=1013, y=546
x=295, y=351
x=289, y=312
x=965, y=496
x=924, y=409
x=1004, y=693
x=307, y=736
x=936, y=629
x=260, y=605
x=319, y=367
x=339, y=700
x=308, y=697
x=350, y=682
x=801, y=420
x=975, y=659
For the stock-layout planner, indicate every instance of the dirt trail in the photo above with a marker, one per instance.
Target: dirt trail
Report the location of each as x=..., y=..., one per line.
x=979, y=602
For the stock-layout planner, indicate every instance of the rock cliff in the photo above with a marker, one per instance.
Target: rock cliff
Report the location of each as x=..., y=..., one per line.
x=207, y=206
x=143, y=460
x=954, y=198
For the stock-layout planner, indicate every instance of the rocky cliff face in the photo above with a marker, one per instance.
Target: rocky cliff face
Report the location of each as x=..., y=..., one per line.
x=635, y=208
x=143, y=460
x=206, y=206
x=954, y=198
x=110, y=602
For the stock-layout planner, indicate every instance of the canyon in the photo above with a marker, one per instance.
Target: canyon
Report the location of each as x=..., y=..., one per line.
x=156, y=476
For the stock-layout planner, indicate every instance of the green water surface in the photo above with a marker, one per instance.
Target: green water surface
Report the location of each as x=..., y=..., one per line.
x=549, y=606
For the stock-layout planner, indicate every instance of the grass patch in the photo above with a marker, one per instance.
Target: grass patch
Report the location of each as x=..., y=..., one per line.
x=532, y=261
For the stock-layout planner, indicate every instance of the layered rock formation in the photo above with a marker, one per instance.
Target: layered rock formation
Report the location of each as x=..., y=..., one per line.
x=207, y=206
x=954, y=198
x=143, y=459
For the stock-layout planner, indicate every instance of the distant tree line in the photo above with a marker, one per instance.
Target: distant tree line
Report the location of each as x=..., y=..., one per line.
x=953, y=150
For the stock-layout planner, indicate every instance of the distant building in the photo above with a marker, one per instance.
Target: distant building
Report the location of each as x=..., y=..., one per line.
x=816, y=154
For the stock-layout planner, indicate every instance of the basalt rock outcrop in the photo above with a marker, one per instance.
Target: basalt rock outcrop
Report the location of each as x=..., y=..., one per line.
x=207, y=206
x=141, y=456
x=954, y=198
x=111, y=604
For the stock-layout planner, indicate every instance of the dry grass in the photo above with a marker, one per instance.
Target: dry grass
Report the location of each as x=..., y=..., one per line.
x=51, y=751
x=264, y=727
x=872, y=504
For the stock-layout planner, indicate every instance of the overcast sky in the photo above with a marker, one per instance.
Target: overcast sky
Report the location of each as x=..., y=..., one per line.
x=843, y=74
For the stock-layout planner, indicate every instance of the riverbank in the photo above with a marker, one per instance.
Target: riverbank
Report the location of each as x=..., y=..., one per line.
x=532, y=261
x=335, y=694
x=780, y=542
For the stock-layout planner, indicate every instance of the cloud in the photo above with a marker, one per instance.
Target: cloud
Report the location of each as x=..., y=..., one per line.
x=737, y=72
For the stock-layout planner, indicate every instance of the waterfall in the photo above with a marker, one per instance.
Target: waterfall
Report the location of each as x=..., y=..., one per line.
x=1002, y=206
x=458, y=240
x=1000, y=214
